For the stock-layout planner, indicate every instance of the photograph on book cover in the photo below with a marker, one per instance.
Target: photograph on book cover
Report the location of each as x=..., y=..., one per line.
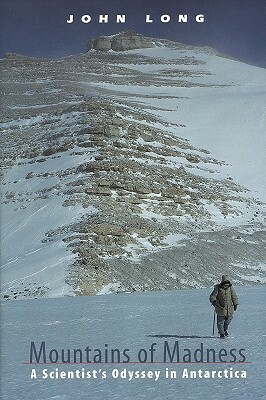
x=132, y=199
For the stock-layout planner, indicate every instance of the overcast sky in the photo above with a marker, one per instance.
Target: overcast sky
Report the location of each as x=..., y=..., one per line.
x=39, y=28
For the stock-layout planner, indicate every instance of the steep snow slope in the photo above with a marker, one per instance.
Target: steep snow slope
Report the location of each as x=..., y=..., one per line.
x=227, y=117
x=24, y=238
x=130, y=171
x=132, y=322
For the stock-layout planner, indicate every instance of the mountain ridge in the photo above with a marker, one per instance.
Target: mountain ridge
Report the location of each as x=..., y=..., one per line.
x=130, y=40
x=117, y=176
x=129, y=37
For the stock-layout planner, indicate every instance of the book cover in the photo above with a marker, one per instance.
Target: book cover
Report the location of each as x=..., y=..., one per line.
x=132, y=199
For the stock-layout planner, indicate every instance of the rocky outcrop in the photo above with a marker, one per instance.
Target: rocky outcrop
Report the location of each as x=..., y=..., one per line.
x=102, y=43
x=127, y=40
x=131, y=40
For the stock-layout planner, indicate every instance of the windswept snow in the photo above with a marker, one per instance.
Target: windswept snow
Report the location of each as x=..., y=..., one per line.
x=34, y=259
x=133, y=322
x=228, y=120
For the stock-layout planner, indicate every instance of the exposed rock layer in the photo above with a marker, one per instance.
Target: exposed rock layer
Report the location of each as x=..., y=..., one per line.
x=127, y=40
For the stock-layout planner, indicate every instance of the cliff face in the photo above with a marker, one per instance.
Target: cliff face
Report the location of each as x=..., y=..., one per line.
x=127, y=40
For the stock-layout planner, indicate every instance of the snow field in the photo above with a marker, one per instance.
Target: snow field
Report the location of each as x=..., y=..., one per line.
x=132, y=322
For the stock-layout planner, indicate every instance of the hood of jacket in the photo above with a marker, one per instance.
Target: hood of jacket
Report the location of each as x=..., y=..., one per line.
x=225, y=278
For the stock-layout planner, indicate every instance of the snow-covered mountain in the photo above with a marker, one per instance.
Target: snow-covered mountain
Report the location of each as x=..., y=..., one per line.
x=131, y=170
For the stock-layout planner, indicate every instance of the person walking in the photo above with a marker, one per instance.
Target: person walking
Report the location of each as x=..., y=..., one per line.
x=225, y=301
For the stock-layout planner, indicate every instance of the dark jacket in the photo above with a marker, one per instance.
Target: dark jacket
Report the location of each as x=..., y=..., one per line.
x=225, y=297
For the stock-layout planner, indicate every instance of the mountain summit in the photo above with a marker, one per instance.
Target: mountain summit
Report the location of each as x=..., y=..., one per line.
x=131, y=40
x=126, y=40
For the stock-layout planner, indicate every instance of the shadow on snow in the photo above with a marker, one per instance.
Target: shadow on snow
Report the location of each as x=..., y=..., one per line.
x=182, y=336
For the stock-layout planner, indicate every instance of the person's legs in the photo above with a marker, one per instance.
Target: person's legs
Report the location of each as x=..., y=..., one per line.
x=220, y=324
x=227, y=322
